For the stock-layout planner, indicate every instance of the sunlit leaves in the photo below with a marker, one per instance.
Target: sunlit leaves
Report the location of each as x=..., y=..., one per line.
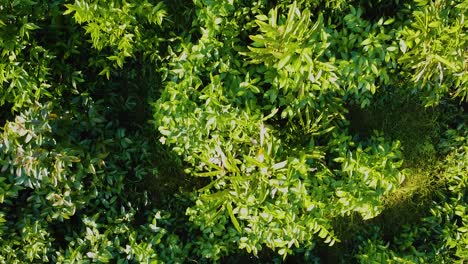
x=267, y=189
x=368, y=175
x=434, y=47
x=253, y=96
x=23, y=63
x=118, y=25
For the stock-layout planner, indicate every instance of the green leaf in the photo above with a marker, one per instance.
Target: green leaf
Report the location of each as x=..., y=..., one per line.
x=284, y=61
x=233, y=218
x=374, y=69
x=279, y=165
x=366, y=42
x=445, y=62
x=323, y=233
x=389, y=21
x=403, y=47
x=70, y=9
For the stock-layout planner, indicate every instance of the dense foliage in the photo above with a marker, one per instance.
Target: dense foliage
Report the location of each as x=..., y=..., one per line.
x=148, y=131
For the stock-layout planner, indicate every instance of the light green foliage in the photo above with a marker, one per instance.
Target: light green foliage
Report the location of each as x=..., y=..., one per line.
x=290, y=51
x=262, y=191
x=23, y=62
x=450, y=215
x=434, y=47
x=233, y=131
x=369, y=174
x=365, y=53
x=119, y=25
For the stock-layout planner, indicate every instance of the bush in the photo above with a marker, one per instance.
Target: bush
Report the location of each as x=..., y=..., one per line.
x=220, y=131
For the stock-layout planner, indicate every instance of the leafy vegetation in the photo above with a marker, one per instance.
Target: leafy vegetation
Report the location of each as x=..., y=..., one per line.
x=233, y=131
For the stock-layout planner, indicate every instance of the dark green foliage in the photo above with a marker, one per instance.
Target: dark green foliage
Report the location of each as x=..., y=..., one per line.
x=233, y=131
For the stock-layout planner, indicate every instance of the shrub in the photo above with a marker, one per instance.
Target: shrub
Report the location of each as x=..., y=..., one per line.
x=224, y=131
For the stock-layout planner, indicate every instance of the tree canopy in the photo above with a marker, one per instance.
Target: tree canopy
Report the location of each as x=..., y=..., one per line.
x=232, y=131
